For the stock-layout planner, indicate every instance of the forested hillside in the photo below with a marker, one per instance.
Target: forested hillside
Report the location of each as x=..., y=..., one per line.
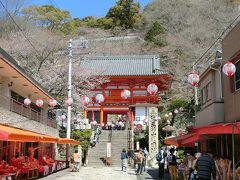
x=179, y=31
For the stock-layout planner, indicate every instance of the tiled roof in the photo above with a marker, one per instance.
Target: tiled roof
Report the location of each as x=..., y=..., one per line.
x=124, y=65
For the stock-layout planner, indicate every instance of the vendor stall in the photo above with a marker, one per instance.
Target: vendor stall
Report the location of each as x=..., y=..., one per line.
x=28, y=154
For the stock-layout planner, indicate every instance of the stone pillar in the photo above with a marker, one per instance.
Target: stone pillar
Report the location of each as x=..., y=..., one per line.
x=153, y=135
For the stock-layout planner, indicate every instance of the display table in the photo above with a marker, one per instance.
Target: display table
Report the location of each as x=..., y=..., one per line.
x=8, y=176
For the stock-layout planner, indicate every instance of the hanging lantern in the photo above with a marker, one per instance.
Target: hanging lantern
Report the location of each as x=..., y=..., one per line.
x=63, y=117
x=180, y=132
x=85, y=100
x=125, y=94
x=52, y=102
x=27, y=101
x=152, y=89
x=69, y=101
x=229, y=69
x=99, y=98
x=39, y=102
x=193, y=78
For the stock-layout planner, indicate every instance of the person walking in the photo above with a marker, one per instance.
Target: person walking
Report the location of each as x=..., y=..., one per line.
x=205, y=166
x=139, y=161
x=76, y=159
x=160, y=157
x=144, y=162
x=124, y=158
x=190, y=159
x=172, y=164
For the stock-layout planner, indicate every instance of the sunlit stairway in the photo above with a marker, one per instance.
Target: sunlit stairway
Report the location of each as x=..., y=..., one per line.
x=97, y=154
x=119, y=141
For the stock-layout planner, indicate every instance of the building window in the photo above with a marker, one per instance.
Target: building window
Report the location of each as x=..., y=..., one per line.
x=237, y=76
x=206, y=93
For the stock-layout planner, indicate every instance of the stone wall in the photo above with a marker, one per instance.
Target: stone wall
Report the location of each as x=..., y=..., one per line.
x=12, y=119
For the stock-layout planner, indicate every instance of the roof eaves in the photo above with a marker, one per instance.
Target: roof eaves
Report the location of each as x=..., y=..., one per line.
x=12, y=62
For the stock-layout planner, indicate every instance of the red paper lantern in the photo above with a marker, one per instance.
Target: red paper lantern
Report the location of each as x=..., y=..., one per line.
x=27, y=101
x=52, y=102
x=152, y=89
x=69, y=101
x=125, y=94
x=193, y=78
x=229, y=69
x=180, y=132
x=63, y=117
x=99, y=98
x=85, y=100
x=39, y=102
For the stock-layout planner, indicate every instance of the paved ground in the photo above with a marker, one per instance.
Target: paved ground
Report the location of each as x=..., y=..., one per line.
x=103, y=173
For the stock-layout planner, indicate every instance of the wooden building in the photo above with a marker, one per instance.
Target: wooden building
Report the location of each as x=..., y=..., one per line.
x=133, y=73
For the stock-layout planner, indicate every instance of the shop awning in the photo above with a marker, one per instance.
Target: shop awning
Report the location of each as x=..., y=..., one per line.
x=223, y=128
x=68, y=141
x=176, y=141
x=14, y=134
x=196, y=133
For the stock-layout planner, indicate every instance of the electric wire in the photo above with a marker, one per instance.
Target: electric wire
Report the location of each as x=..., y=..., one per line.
x=10, y=16
x=214, y=43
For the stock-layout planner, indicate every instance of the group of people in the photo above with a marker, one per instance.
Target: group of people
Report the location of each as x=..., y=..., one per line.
x=201, y=167
x=119, y=125
x=94, y=139
x=139, y=157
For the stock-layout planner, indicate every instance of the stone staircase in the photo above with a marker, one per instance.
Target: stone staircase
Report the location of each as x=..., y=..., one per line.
x=97, y=154
x=119, y=141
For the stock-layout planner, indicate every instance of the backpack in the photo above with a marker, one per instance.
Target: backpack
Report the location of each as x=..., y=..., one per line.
x=170, y=158
x=159, y=156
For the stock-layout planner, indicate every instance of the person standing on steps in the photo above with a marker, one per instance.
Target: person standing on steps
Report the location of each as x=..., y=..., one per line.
x=124, y=158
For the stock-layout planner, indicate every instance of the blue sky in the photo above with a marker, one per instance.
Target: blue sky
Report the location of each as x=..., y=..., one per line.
x=83, y=8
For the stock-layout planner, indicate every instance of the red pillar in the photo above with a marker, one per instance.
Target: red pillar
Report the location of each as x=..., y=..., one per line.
x=101, y=117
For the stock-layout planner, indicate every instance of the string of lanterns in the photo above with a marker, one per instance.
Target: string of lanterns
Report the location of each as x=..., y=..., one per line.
x=228, y=69
x=152, y=89
x=39, y=102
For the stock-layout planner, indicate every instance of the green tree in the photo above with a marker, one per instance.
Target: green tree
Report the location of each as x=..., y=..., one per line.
x=156, y=34
x=47, y=16
x=125, y=13
x=84, y=137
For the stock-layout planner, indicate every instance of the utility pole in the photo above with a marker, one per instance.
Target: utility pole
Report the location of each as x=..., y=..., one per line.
x=69, y=106
x=81, y=44
x=195, y=91
x=69, y=88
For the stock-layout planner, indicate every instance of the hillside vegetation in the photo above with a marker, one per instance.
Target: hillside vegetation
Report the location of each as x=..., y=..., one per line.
x=178, y=30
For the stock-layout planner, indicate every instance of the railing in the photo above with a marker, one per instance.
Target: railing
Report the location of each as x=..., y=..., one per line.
x=26, y=111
